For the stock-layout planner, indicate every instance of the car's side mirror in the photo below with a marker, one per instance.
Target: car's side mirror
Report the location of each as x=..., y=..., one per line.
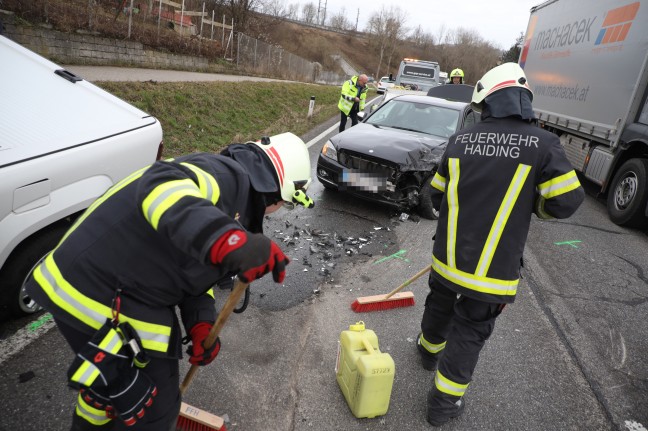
x=361, y=115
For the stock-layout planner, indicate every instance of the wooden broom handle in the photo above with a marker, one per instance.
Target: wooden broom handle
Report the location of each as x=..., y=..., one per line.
x=408, y=282
x=232, y=300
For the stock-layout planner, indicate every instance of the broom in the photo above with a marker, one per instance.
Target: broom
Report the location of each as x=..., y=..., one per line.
x=192, y=418
x=393, y=299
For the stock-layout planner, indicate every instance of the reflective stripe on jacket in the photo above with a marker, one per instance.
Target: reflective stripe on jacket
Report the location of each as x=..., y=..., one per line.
x=486, y=187
x=148, y=238
x=349, y=93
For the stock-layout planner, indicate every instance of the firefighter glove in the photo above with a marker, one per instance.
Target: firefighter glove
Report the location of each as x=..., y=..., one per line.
x=131, y=395
x=200, y=355
x=250, y=255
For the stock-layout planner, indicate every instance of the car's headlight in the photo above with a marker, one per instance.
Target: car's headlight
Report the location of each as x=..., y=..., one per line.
x=328, y=150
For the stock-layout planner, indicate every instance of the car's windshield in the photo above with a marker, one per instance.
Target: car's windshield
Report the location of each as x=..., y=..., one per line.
x=418, y=117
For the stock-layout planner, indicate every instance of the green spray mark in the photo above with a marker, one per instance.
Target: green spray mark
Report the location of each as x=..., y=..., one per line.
x=40, y=322
x=397, y=255
x=570, y=243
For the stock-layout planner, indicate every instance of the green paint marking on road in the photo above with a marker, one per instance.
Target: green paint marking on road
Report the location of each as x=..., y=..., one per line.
x=570, y=243
x=398, y=255
x=40, y=322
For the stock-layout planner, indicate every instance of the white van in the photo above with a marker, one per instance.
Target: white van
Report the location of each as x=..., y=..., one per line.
x=63, y=143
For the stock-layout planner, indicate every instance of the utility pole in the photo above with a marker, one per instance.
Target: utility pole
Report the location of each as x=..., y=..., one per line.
x=324, y=14
x=357, y=18
x=319, y=6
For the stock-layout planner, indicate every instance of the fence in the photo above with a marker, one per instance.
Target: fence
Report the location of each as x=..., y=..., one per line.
x=255, y=56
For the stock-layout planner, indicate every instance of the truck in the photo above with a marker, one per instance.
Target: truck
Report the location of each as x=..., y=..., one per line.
x=419, y=75
x=586, y=63
x=63, y=143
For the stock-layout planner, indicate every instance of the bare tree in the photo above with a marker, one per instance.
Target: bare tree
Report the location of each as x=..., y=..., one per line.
x=292, y=11
x=340, y=21
x=309, y=13
x=386, y=29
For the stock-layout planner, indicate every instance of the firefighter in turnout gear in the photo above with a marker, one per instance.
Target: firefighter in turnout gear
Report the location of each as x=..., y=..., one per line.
x=352, y=99
x=491, y=179
x=457, y=76
x=157, y=240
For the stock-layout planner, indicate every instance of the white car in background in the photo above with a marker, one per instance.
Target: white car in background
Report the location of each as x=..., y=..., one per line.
x=63, y=143
x=384, y=84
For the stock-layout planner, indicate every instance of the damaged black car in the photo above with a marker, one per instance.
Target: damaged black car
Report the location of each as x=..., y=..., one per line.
x=392, y=155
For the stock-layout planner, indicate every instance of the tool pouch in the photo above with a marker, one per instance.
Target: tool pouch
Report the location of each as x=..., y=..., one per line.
x=99, y=362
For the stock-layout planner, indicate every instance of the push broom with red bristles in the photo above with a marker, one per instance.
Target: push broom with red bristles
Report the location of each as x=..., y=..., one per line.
x=192, y=418
x=394, y=299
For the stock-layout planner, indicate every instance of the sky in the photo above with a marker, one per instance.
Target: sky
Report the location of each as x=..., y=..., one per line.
x=497, y=21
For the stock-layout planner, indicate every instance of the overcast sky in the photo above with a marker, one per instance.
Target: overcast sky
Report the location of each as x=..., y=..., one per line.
x=497, y=21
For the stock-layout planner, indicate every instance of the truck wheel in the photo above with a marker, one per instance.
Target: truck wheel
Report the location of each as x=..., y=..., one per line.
x=628, y=194
x=425, y=207
x=14, y=301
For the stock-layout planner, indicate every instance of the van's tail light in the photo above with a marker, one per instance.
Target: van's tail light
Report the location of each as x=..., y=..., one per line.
x=160, y=151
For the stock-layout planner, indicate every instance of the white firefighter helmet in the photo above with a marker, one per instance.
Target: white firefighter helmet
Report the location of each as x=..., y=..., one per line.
x=503, y=76
x=291, y=162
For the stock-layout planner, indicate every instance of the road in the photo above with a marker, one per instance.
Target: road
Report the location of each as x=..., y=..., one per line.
x=568, y=355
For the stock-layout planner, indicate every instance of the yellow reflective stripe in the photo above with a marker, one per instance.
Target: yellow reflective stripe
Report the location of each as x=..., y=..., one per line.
x=439, y=182
x=474, y=282
x=503, y=214
x=207, y=183
x=91, y=414
x=559, y=185
x=210, y=292
x=111, y=191
x=453, y=210
x=86, y=373
x=449, y=387
x=430, y=347
x=165, y=196
x=93, y=313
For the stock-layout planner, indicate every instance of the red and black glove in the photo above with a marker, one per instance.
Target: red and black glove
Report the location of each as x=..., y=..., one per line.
x=250, y=255
x=199, y=354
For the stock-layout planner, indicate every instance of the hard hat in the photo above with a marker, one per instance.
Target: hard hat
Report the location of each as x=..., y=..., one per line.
x=457, y=72
x=500, y=77
x=290, y=159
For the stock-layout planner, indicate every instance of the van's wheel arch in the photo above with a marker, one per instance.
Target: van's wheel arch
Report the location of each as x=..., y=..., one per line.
x=628, y=194
x=13, y=300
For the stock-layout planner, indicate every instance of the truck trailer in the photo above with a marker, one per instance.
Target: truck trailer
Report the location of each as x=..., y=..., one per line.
x=586, y=63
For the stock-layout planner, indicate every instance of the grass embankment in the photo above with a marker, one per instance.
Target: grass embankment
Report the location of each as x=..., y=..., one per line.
x=207, y=116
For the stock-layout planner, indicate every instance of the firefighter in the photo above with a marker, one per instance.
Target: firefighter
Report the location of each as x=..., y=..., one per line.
x=352, y=99
x=457, y=76
x=158, y=239
x=491, y=178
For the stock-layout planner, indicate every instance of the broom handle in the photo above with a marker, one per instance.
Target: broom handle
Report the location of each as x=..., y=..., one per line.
x=408, y=282
x=232, y=300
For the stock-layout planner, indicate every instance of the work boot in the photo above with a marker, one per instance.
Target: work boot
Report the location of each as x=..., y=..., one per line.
x=436, y=418
x=428, y=360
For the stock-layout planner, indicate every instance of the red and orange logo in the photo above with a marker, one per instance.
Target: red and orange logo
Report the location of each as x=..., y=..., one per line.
x=617, y=24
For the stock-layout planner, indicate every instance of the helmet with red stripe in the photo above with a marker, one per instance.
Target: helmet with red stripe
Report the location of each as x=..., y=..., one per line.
x=498, y=78
x=290, y=159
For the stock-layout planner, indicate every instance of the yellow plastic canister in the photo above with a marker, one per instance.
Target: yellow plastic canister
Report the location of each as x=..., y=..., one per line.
x=364, y=374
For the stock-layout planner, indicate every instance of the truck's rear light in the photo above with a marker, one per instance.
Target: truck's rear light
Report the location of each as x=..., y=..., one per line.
x=160, y=151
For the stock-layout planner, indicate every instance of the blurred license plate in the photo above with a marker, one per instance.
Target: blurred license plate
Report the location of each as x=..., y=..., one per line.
x=365, y=181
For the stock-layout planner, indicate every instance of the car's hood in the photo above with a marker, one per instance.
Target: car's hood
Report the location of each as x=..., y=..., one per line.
x=412, y=151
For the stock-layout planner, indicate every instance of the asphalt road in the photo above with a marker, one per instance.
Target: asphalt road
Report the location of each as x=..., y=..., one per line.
x=570, y=354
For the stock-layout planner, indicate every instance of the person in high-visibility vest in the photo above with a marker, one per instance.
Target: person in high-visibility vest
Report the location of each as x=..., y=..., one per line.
x=157, y=240
x=352, y=99
x=492, y=177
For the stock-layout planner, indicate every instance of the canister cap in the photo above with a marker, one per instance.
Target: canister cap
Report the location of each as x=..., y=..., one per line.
x=359, y=326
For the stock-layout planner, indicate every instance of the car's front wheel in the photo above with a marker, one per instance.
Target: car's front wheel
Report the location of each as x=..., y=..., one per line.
x=426, y=208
